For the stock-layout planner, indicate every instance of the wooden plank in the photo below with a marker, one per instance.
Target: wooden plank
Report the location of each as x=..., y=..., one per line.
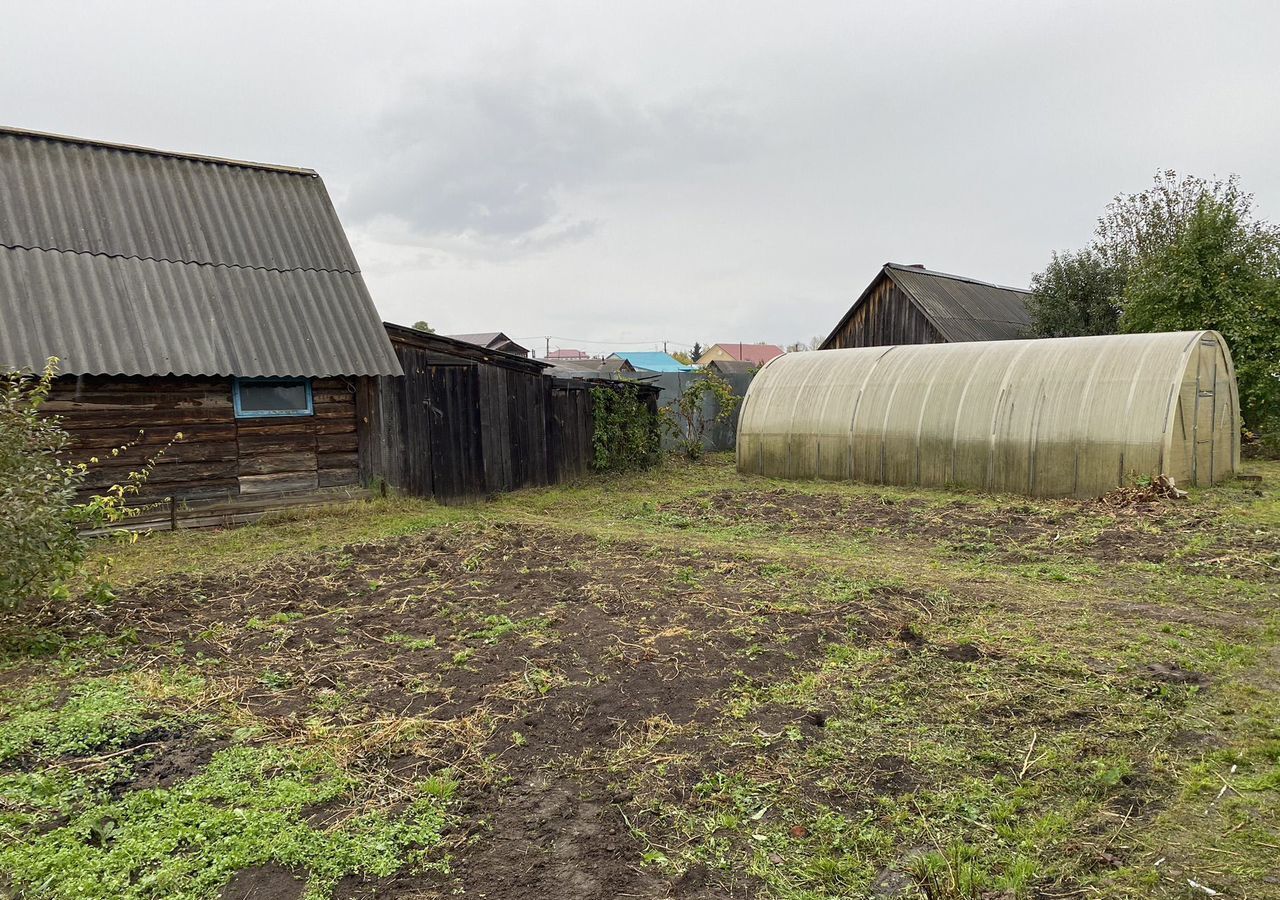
x=107, y=438
x=337, y=460
x=457, y=462
x=343, y=396
x=348, y=385
x=142, y=417
x=269, y=463
x=335, y=410
x=212, y=488
x=332, y=477
x=287, y=481
x=221, y=512
x=337, y=443
x=282, y=425
x=177, y=473
x=495, y=428
x=276, y=443
x=411, y=446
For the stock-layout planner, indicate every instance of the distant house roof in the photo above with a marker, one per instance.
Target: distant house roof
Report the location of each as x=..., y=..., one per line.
x=568, y=354
x=493, y=340
x=962, y=309
x=591, y=368
x=733, y=366
x=652, y=361
x=759, y=354
x=451, y=349
x=131, y=261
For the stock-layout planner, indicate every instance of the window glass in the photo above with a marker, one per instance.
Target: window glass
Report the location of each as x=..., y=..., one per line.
x=276, y=397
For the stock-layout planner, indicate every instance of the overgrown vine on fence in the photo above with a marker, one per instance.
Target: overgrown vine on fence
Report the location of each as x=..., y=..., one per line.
x=626, y=432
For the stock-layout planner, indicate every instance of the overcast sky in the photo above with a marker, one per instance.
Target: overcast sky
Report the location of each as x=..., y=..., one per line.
x=673, y=171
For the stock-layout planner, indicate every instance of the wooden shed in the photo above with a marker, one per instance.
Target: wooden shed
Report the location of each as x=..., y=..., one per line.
x=1054, y=417
x=184, y=293
x=915, y=305
x=465, y=421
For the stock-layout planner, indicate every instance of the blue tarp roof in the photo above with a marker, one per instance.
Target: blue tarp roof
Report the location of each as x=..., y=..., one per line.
x=652, y=361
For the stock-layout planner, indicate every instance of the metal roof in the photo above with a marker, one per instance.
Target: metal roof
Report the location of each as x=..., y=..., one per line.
x=126, y=260
x=494, y=340
x=758, y=354
x=590, y=368
x=962, y=309
x=652, y=360
x=735, y=366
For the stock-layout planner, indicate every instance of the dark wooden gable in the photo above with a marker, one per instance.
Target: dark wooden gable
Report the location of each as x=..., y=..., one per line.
x=885, y=314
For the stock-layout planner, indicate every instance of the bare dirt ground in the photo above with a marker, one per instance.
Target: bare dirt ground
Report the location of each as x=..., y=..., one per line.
x=656, y=703
x=1108, y=530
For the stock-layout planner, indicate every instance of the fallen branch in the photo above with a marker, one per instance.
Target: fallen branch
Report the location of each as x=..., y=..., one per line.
x=1226, y=786
x=1026, y=760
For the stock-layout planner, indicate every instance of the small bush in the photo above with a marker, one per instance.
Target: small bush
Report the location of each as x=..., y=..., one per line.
x=39, y=544
x=689, y=413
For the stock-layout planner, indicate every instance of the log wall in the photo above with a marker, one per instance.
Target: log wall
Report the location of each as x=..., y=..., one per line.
x=218, y=455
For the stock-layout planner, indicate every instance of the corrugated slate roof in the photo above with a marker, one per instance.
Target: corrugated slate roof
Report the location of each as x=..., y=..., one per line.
x=493, y=340
x=734, y=366
x=964, y=309
x=481, y=338
x=124, y=260
x=590, y=368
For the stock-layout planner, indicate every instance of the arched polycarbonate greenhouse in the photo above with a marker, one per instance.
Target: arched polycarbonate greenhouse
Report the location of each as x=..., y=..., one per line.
x=1052, y=417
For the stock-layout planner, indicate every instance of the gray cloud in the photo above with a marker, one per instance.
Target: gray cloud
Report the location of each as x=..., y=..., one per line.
x=722, y=170
x=487, y=162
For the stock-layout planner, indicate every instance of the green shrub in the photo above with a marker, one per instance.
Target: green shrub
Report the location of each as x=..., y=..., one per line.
x=39, y=544
x=689, y=419
x=626, y=433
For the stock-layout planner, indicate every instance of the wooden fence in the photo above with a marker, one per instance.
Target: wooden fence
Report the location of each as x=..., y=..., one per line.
x=465, y=422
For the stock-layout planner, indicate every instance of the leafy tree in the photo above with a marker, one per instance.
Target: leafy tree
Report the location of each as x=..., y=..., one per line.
x=1220, y=270
x=1185, y=254
x=421, y=325
x=681, y=357
x=813, y=343
x=1079, y=293
x=1135, y=228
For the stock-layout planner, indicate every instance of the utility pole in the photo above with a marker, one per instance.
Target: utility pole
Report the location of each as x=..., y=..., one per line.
x=664, y=346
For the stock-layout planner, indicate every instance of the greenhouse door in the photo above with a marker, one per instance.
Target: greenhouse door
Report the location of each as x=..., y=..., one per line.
x=1202, y=466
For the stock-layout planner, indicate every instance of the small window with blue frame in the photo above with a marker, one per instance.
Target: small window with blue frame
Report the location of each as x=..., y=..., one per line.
x=264, y=398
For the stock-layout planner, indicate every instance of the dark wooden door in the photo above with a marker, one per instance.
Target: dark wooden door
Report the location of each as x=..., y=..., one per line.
x=457, y=452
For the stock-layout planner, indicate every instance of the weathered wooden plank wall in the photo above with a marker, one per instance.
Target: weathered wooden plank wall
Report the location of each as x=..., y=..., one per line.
x=887, y=316
x=218, y=455
x=458, y=428
x=571, y=425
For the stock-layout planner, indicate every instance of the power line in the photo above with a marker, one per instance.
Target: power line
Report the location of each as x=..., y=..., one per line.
x=556, y=337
